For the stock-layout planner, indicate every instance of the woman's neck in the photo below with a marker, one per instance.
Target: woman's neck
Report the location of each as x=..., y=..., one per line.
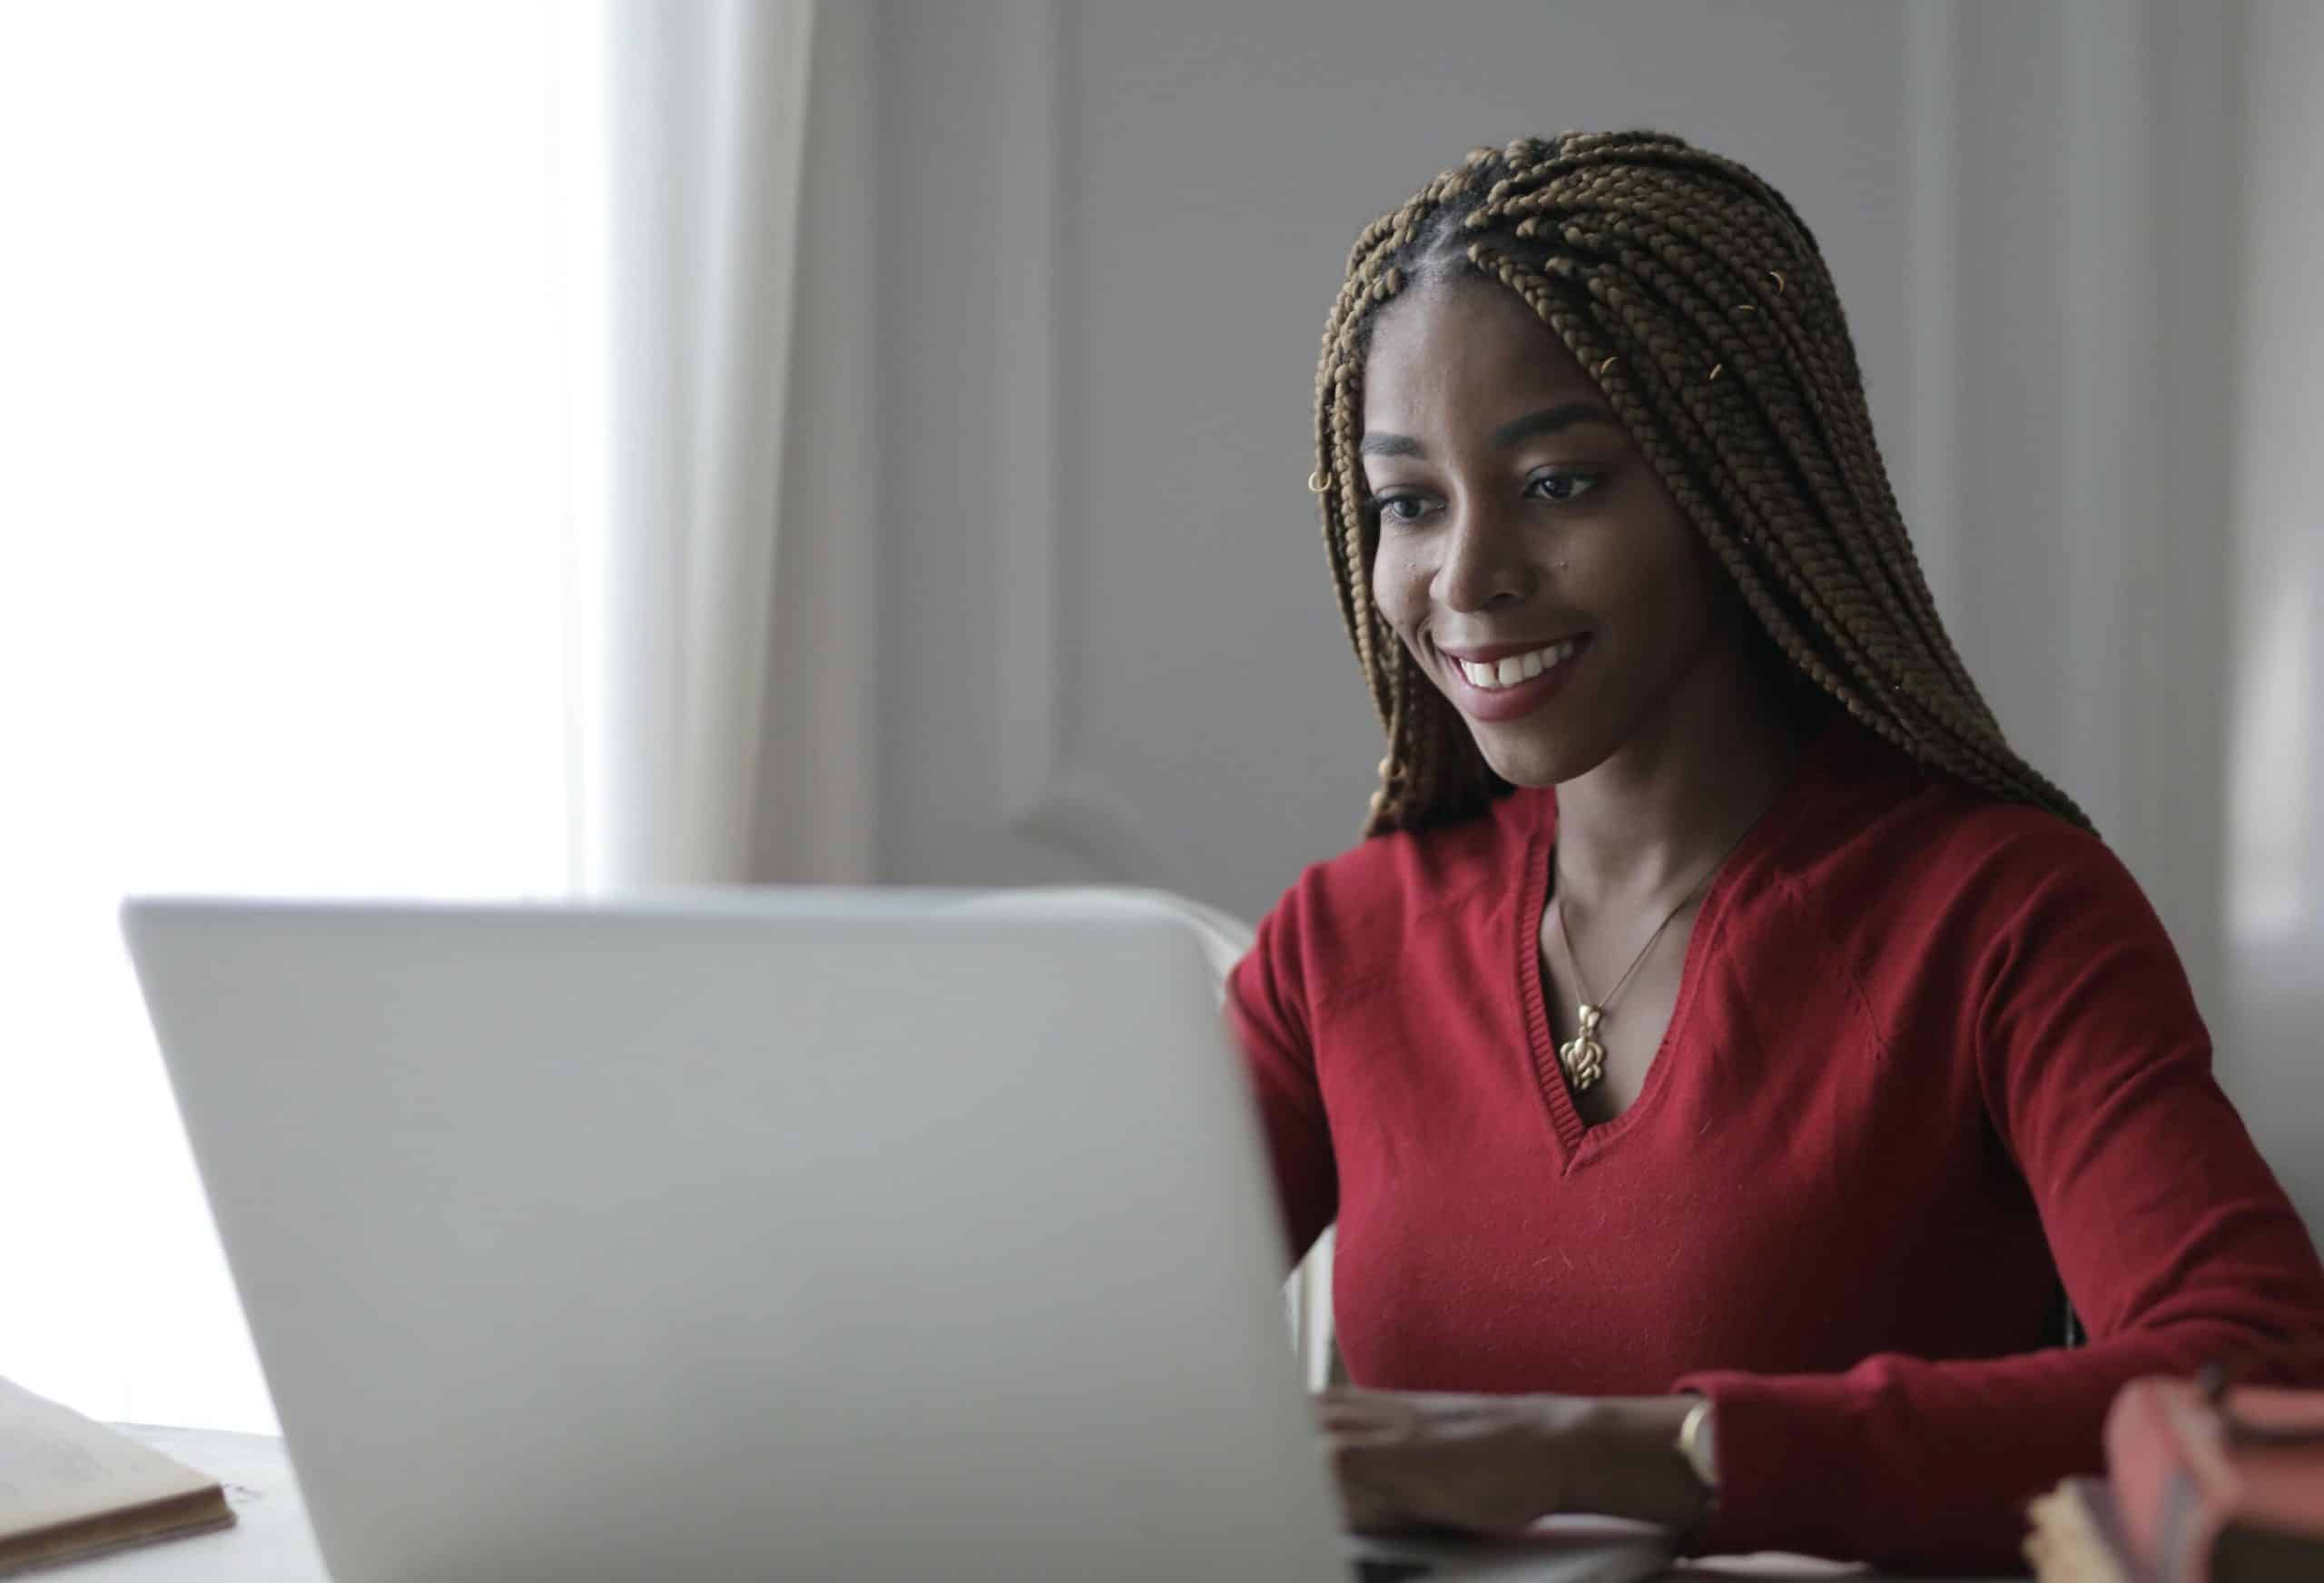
x=1683, y=789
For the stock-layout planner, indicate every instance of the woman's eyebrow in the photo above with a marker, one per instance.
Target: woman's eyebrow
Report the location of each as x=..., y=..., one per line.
x=1549, y=421
x=1516, y=431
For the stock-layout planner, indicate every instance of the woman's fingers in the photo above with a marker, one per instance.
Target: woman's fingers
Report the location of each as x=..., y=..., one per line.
x=1368, y=1492
x=1371, y=1431
x=1369, y=1414
x=1366, y=1513
x=1479, y=1464
x=1373, y=1436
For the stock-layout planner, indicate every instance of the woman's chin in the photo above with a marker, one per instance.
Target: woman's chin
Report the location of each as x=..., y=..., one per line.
x=1534, y=757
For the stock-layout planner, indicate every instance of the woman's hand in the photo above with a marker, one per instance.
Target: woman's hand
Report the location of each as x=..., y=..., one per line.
x=1481, y=1464
x=1495, y=1464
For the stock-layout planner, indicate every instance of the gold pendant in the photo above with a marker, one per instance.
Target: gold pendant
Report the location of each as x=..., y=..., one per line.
x=1583, y=1057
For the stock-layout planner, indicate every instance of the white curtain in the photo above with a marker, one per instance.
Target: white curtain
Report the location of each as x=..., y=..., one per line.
x=687, y=131
x=279, y=542
x=396, y=398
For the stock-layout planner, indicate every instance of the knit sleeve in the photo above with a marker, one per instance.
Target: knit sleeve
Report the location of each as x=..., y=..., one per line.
x=1266, y=1004
x=2175, y=1240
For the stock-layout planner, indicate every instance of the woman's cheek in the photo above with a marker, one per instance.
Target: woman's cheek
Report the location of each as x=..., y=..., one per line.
x=1399, y=586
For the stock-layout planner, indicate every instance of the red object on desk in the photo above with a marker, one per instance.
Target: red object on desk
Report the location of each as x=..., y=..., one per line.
x=2213, y=1497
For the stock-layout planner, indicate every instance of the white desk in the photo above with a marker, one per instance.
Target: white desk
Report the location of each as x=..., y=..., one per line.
x=271, y=1542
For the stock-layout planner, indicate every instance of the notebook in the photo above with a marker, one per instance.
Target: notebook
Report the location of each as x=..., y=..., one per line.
x=70, y=1487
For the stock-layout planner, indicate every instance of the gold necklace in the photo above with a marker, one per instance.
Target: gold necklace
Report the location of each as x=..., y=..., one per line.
x=1582, y=1057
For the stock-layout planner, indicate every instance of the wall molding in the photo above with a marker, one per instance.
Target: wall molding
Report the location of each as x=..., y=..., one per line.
x=2139, y=612
x=1050, y=793
x=1933, y=46
x=2126, y=446
x=2148, y=355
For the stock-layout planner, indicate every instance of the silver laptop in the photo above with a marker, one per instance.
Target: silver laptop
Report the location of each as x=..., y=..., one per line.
x=787, y=1233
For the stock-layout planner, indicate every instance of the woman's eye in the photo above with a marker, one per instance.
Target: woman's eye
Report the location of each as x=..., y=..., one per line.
x=1399, y=507
x=1560, y=486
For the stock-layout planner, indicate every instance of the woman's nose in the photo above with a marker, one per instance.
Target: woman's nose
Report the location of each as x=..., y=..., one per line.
x=1484, y=565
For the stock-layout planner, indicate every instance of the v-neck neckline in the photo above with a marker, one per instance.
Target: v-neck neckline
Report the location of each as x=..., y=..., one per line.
x=1578, y=1139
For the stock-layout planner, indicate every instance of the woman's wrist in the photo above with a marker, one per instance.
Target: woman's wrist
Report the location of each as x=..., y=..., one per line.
x=1630, y=1464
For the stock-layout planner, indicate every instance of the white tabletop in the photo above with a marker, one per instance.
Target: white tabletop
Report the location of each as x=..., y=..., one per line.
x=272, y=1543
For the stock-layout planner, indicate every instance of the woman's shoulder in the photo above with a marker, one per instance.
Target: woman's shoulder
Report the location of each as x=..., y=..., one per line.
x=1406, y=872
x=1879, y=832
x=1352, y=914
x=1938, y=906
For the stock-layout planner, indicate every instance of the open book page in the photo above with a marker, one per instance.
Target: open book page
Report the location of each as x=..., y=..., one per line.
x=69, y=1485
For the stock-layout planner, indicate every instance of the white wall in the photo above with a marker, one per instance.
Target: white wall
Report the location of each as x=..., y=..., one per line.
x=2276, y=871
x=1182, y=708
x=1107, y=240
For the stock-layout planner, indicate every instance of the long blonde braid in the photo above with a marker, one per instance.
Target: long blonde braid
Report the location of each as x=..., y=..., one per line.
x=1697, y=299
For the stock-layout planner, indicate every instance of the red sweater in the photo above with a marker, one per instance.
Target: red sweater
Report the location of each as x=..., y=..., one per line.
x=1916, y=1028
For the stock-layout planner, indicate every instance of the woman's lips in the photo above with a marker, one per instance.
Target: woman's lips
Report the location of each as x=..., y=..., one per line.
x=1521, y=698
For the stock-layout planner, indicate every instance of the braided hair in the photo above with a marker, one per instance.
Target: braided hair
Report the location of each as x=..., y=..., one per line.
x=1699, y=301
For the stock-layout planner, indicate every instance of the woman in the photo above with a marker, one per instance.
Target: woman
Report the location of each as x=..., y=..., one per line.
x=1722, y=1035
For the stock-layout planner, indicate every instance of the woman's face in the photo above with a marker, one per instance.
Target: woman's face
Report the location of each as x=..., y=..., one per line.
x=1530, y=560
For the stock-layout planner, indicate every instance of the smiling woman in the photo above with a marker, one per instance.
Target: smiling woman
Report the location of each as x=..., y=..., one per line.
x=1725, y=1051
x=1552, y=512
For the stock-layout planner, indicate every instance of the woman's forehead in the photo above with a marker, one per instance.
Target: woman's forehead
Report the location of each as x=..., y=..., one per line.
x=1464, y=350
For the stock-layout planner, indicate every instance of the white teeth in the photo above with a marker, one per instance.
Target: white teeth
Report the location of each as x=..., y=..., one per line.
x=1516, y=668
